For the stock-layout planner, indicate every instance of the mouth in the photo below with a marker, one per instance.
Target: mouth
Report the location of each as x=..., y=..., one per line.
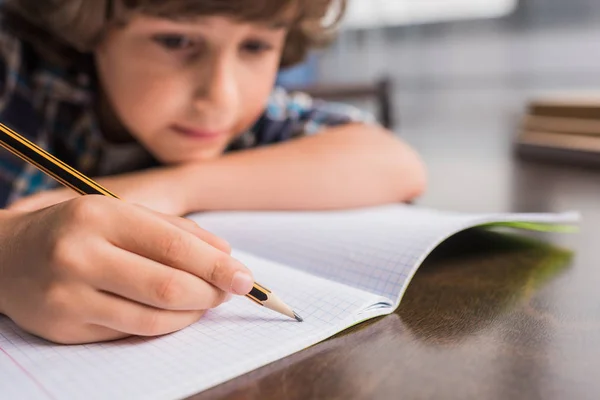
x=198, y=133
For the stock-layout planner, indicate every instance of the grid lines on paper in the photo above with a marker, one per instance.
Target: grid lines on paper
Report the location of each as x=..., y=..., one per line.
x=374, y=250
x=233, y=339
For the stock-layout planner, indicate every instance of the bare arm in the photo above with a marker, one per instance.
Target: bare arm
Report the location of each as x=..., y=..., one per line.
x=341, y=167
x=348, y=166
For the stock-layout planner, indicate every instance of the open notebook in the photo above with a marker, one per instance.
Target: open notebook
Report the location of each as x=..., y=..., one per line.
x=335, y=268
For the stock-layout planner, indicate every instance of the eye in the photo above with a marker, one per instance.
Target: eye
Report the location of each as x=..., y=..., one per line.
x=256, y=46
x=174, y=42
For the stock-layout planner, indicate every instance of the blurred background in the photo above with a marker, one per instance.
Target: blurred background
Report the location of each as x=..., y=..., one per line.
x=461, y=74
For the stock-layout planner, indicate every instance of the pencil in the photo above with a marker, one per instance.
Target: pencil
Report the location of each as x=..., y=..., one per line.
x=71, y=178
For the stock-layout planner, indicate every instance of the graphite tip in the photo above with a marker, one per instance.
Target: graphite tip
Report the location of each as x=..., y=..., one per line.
x=298, y=318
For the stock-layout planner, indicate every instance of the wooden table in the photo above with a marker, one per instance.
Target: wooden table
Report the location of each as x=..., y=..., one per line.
x=488, y=316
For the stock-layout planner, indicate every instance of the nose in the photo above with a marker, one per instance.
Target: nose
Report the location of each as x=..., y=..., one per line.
x=217, y=86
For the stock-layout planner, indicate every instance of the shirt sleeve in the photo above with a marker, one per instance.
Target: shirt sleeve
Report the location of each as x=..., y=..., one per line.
x=18, y=113
x=291, y=115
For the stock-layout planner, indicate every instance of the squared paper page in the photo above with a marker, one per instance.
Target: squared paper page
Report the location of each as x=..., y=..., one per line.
x=229, y=341
x=374, y=249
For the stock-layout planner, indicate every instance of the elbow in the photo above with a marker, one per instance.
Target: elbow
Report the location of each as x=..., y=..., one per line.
x=412, y=178
x=408, y=173
x=417, y=182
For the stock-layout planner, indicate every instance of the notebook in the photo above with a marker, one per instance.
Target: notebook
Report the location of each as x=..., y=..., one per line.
x=334, y=268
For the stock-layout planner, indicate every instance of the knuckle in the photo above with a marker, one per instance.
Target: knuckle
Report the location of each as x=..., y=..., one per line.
x=87, y=209
x=174, y=247
x=217, y=267
x=169, y=291
x=65, y=258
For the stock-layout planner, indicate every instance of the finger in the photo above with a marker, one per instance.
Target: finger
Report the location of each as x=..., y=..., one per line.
x=166, y=244
x=89, y=333
x=79, y=334
x=145, y=281
x=96, y=333
x=125, y=316
x=193, y=228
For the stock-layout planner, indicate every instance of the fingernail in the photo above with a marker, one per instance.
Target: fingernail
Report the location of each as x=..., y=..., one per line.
x=241, y=283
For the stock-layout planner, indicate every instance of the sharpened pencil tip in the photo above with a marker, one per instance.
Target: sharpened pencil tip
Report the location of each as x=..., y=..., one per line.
x=298, y=318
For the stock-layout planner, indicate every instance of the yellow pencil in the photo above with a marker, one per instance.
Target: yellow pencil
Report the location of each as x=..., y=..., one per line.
x=68, y=176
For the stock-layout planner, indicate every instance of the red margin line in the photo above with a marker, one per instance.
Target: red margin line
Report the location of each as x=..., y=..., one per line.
x=29, y=375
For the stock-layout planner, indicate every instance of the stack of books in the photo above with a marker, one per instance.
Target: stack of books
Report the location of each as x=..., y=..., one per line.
x=561, y=128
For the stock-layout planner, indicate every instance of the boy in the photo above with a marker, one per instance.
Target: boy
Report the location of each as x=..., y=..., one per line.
x=169, y=104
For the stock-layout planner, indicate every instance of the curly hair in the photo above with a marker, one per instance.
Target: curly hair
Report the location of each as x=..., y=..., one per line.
x=63, y=29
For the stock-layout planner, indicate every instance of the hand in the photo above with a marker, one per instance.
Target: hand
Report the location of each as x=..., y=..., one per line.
x=96, y=268
x=154, y=189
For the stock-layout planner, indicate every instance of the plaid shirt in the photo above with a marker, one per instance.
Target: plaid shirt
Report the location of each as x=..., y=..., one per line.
x=54, y=109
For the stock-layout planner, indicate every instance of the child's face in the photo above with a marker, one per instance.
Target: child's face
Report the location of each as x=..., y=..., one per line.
x=186, y=89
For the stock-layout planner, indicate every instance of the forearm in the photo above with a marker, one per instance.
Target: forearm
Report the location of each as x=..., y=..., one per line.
x=349, y=166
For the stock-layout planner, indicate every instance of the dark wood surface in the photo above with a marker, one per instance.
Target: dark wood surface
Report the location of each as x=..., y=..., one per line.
x=489, y=315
